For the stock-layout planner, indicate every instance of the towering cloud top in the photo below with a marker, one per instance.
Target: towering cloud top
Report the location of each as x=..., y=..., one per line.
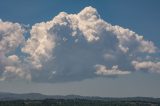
x=73, y=47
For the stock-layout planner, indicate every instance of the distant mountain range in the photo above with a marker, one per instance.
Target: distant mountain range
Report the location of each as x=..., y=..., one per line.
x=37, y=96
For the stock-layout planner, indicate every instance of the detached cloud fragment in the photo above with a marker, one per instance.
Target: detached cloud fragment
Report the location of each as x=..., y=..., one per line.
x=114, y=71
x=147, y=66
x=73, y=47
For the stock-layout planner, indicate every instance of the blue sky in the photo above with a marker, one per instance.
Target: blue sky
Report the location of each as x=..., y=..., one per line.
x=141, y=17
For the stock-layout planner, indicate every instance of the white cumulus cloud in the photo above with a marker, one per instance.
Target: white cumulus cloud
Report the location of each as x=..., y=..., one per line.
x=11, y=37
x=103, y=70
x=73, y=47
x=147, y=66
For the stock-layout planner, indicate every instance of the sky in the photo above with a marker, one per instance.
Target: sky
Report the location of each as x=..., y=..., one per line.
x=105, y=48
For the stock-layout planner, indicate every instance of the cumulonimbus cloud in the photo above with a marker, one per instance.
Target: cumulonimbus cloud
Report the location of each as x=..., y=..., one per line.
x=73, y=47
